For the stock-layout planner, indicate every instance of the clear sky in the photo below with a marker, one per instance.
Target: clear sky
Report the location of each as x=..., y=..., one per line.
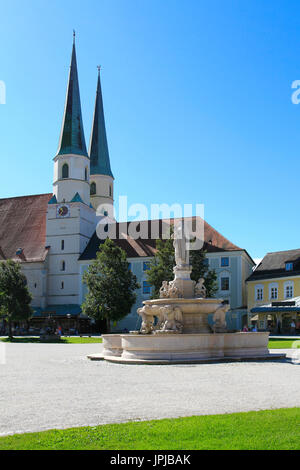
x=197, y=97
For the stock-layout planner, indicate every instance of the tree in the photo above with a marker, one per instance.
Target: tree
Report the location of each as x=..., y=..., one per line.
x=200, y=269
x=15, y=297
x=111, y=285
x=161, y=268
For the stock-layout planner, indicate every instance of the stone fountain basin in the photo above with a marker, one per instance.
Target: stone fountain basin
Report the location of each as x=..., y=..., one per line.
x=195, y=312
x=185, y=348
x=191, y=306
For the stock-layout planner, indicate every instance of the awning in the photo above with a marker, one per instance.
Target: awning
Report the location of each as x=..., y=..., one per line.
x=275, y=309
x=58, y=311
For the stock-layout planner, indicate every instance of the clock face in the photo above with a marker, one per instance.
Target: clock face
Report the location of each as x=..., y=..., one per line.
x=63, y=211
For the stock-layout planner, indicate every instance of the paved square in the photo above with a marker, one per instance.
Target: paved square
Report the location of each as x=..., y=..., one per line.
x=46, y=386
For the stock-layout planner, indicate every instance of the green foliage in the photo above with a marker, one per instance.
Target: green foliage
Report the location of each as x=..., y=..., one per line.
x=15, y=297
x=256, y=430
x=111, y=285
x=200, y=269
x=161, y=268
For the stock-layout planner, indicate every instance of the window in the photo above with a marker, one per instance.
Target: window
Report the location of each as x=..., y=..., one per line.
x=288, y=289
x=225, y=261
x=289, y=266
x=224, y=283
x=259, y=293
x=93, y=189
x=146, y=288
x=146, y=266
x=63, y=245
x=62, y=285
x=85, y=174
x=65, y=171
x=63, y=266
x=110, y=191
x=274, y=293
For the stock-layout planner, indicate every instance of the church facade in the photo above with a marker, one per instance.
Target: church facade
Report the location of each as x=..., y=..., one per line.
x=54, y=236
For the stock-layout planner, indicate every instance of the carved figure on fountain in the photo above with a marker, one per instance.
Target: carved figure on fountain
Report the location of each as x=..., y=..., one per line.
x=219, y=319
x=200, y=289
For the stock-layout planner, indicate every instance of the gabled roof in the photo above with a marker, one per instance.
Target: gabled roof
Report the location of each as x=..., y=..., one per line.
x=213, y=241
x=273, y=265
x=99, y=155
x=23, y=226
x=72, y=134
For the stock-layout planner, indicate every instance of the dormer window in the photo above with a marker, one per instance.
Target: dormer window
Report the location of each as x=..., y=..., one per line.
x=289, y=266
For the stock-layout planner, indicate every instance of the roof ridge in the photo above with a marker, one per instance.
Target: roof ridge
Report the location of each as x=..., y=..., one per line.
x=20, y=197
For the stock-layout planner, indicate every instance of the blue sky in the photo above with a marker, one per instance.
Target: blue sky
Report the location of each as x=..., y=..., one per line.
x=197, y=98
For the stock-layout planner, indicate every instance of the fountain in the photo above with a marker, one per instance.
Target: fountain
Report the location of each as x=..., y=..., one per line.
x=175, y=327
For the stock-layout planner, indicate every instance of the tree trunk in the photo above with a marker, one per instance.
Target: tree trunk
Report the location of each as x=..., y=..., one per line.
x=10, y=335
x=108, y=325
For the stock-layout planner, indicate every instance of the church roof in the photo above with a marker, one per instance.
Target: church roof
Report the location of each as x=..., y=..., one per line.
x=72, y=134
x=23, y=227
x=213, y=241
x=99, y=155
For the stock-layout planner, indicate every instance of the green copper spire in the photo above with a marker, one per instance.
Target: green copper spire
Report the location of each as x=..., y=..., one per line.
x=72, y=134
x=99, y=156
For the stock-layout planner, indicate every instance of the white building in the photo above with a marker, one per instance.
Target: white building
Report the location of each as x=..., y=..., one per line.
x=53, y=235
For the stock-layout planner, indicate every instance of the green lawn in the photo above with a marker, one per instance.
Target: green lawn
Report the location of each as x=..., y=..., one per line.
x=63, y=340
x=268, y=430
x=282, y=343
x=273, y=343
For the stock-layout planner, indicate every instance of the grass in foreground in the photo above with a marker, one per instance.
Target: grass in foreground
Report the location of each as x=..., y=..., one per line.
x=267, y=430
x=283, y=343
x=63, y=340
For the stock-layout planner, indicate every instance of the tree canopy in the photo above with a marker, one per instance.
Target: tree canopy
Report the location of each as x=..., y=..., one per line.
x=111, y=285
x=15, y=297
x=161, y=268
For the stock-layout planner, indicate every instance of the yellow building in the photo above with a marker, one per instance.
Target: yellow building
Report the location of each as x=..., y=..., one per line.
x=274, y=293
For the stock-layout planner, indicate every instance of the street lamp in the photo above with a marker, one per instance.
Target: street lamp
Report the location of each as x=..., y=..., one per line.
x=69, y=318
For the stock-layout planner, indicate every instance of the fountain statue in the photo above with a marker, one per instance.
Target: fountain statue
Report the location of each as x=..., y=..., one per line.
x=175, y=327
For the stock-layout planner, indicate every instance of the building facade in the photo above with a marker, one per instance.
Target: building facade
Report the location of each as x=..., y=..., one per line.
x=274, y=293
x=54, y=236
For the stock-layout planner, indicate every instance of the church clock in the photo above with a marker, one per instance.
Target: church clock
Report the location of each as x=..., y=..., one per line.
x=63, y=211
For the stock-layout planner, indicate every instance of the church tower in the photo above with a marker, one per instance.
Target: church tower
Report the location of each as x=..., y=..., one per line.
x=71, y=220
x=101, y=179
x=72, y=163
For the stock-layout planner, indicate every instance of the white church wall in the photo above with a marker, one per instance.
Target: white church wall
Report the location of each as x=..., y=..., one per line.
x=36, y=275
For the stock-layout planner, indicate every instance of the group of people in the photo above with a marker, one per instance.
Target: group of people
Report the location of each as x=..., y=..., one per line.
x=246, y=329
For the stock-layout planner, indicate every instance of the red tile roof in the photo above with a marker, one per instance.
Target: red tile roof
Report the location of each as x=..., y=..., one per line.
x=213, y=241
x=23, y=226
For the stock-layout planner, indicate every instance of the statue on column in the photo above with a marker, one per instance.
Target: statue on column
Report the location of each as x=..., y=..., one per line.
x=180, y=242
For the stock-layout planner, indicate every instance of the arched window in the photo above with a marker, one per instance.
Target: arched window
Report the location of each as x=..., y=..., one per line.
x=93, y=189
x=63, y=244
x=65, y=171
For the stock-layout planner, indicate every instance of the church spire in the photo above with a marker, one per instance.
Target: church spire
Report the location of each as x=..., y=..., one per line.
x=99, y=155
x=72, y=139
